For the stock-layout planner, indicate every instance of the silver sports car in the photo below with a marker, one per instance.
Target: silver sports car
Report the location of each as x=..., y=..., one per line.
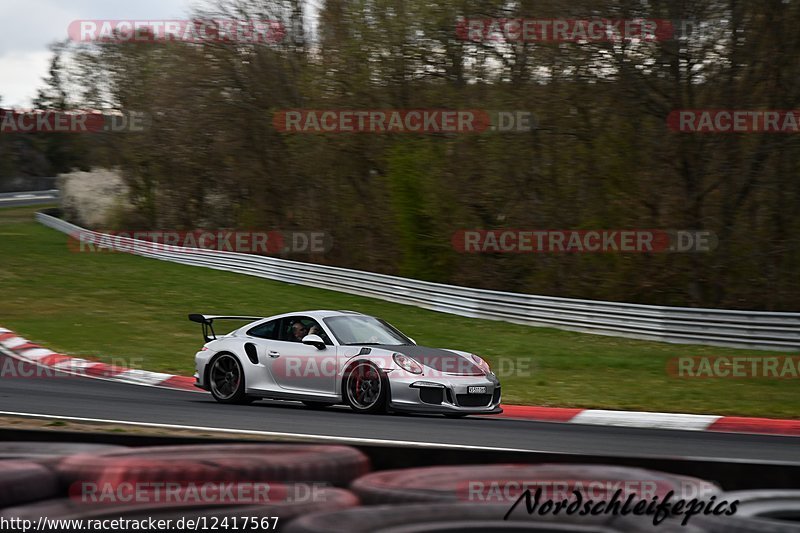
x=324, y=358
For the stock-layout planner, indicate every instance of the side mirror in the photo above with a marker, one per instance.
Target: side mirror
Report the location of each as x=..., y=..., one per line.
x=314, y=340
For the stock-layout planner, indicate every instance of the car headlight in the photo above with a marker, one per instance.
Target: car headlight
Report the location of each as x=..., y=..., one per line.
x=481, y=363
x=407, y=364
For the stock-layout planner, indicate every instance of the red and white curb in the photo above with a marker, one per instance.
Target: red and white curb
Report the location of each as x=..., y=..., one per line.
x=28, y=351
x=641, y=419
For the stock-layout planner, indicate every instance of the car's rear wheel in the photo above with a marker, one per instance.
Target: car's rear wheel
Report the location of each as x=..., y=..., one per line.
x=226, y=379
x=365, y=388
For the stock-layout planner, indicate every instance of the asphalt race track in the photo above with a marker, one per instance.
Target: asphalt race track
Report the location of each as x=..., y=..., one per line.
x=85, y=398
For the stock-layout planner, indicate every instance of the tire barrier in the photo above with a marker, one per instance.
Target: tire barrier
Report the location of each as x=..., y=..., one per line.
x=171, y=482
x=494, y=483
x=644, y=524
x=759, y=511
x=335, y=465
x=325, y=499
x=22, y=481
x=50, y=452
x=423, y=518
x=315, y=488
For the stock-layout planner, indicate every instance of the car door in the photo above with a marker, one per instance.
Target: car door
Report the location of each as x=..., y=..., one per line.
x=262, y=337
x=300, y=367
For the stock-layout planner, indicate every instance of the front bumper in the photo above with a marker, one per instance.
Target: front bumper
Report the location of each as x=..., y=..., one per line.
x=444, y=394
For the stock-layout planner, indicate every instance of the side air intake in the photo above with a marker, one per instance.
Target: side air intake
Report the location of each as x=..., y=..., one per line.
x=252, y=354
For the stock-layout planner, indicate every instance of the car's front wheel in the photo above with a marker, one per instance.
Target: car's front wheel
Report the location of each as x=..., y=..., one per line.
x=226, y=379
x=365, y=388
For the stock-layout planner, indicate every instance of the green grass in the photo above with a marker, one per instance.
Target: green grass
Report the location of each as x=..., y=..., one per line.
x=109, y=306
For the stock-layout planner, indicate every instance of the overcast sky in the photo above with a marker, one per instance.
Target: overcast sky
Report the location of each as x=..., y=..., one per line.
x=29, y=26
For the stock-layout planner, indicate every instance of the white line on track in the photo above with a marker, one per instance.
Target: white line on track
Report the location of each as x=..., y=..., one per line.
x=366, y=441
x=325, y=438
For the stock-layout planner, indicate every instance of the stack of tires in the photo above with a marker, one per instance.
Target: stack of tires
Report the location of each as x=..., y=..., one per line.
x=477, y=498
x=174, y=482
x=51, y=479
x=418, y=500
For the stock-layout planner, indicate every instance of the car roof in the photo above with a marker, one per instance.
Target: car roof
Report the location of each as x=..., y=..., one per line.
x=322, y=313
x=318, y=313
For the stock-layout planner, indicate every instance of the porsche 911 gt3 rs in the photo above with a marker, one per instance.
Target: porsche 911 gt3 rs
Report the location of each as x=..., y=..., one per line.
x=324, y=358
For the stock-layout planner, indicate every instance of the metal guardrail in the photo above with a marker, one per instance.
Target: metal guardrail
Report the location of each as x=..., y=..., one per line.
x=685, y=325
x=18, y=199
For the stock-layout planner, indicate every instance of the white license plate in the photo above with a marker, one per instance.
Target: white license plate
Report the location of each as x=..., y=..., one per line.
x=476, y=390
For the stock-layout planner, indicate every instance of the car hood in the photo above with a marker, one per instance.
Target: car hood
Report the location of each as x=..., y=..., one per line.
x=438, y=359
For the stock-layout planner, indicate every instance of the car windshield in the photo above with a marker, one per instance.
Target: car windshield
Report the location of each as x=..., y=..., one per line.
x=358, y=329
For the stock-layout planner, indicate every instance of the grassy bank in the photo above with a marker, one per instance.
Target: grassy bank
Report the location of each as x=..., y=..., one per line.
x=111, y=306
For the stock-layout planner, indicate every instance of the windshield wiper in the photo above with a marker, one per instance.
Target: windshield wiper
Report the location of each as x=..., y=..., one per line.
x=362, y=344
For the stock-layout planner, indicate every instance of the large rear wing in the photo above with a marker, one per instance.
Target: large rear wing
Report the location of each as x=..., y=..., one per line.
x=208, y=322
